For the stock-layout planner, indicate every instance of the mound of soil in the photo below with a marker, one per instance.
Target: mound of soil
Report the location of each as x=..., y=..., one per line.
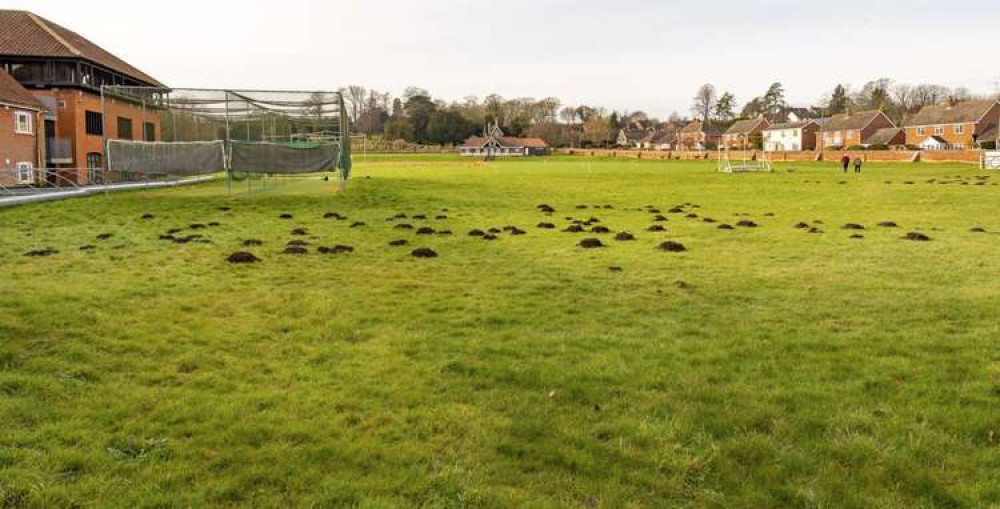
x=286, y=216
x=770, y=214
x=747, y=224
x=296, y=250
x=656, y=228
x=815, y=230
x=671, y=246
x=726, y=227
x=683, y=285
x=916, y=236
x=225, y=209
x=399, y=216
x=105, y=236
x=544, y=206
x=404, y=226
x=676, y=210
x=334, y=215
x=802, y=226
x=518, y=231
x=87, y=248
x=300, y=232
x=299, y=243
x=853, y=226
x=358, y=224
x=978, y=230
x=197, y=226
x=660, y=219
x=477, y=233
x=490, y=237
x=548, y=210
x=441, y=218
x=591, y=243
x=148, y=216
x=214, y=224
x=600, y=230
x=692, y=216
x=609, y=207
x=857, y=236
x=445, y=232
x=41, y=253
x=574, y=229
x=624, y=237
x=399, y=243
x=336, y=250
x=817, y=222
x=242, y=257
x=166, y=237
x=582, y=207
x=888, y=224
x=547, y=226
x=420, y=217
x=616, y=269
x=253, y=243
x=173, y=231
x=709, y=220
x=654, y=211
x=424, y=253
x=426, y=231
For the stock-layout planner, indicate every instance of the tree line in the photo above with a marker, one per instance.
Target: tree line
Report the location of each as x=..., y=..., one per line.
x=419, y=118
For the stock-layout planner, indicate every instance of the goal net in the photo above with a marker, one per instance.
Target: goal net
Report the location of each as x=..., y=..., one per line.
x=746, y=162
x=991, y=161
x=202, y=131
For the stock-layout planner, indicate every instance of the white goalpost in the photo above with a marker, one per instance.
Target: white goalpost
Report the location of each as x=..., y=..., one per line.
x=990, y=161
x=756, y=161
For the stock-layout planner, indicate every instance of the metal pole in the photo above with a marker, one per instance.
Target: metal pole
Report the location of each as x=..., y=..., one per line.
x=104, y=142
x=227, y=153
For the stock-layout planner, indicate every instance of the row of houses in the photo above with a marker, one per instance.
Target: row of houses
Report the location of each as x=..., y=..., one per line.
x=959, y=126
x=51, y=113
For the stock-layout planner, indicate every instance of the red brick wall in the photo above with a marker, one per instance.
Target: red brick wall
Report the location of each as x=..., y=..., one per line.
x=71, y=123
x=14, y=147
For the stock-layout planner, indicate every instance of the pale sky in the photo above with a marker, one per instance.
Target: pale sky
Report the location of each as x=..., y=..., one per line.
x=634, y=55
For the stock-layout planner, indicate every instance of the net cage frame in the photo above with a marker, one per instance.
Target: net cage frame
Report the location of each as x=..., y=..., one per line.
x=311, y=127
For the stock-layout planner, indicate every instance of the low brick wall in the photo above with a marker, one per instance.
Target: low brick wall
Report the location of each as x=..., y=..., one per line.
x=896, y=156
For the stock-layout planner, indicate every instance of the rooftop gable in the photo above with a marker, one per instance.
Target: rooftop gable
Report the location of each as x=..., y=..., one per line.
x=969, y=111
x=11, y=92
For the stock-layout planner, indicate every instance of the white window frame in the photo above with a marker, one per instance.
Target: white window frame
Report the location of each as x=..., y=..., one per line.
x=938, y=130
x=960, y=129
x=25, y=172
x=921, y=131
x=25, y=118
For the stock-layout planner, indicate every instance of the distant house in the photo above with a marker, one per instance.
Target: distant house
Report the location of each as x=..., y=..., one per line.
x=65, y=72
x=630, y=138
x=664, y=140
x=933, y=143
x=890, y=137
x=791, y=136
x=792, y=114
x=852, y=129
x=959, y=126
x=494, y=143
x=21, y=150
x=741, y=135
x=699, y=135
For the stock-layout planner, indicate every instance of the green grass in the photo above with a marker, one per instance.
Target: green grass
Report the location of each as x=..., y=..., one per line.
x=788, y=370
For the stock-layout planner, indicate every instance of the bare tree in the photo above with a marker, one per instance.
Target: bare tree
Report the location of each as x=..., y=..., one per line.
x=356, y=95
x=704, y=102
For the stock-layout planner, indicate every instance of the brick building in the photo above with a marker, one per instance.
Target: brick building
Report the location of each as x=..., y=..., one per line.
x=700, y=136
x=65, y=71
x=745, y=134
x=21, y=150
x=852, y=129
x=955, y=126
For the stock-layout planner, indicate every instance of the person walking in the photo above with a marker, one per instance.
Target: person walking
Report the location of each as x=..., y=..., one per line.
x=857, y=164
x=845, y=162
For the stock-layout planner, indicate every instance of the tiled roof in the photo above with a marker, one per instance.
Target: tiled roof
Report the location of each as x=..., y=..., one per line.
x=27, y=35
x=990, y=134
x=850, y=121
x=970, y=111
x=789, y=125
x=744, y=126
x=13, y=93
x=507, y=141
x=884, y=136
x=698, y=127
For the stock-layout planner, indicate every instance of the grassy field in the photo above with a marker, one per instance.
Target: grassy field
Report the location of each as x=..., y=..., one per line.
x=763, y=367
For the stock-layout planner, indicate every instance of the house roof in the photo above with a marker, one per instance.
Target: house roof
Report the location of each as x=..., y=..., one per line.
x=507, y=142
x=12, y=92
x=990, y=134
x=28, y=35
x=790, y=125
x=632, y=134
x=664, y=138
x=884, y=136
x=850, y=120
x=970, y=111
x=698, y=127
x=745, y=126
x=785, y=113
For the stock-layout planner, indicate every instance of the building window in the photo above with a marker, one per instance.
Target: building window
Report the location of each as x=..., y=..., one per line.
x=22, y=123
x=125, y=128
x=921, y=131
x=850, y=134
x=960, y=129
x=93, y=160
x=25, y=173
x=939, y=130
x=149, y=131
x=95, y=123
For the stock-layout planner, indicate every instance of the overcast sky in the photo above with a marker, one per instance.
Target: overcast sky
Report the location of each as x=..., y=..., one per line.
x=640, y=54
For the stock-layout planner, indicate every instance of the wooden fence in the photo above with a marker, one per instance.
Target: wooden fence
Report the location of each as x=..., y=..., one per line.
x=907, y=156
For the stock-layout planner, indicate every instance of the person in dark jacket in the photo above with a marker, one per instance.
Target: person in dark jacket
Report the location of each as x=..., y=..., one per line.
x=857, y=164
x=845, y=162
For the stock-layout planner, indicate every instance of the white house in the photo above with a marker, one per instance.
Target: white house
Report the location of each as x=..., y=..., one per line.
x=791, y=136
x=495, y=144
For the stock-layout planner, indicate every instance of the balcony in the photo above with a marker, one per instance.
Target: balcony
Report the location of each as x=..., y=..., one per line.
x=58, y=151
